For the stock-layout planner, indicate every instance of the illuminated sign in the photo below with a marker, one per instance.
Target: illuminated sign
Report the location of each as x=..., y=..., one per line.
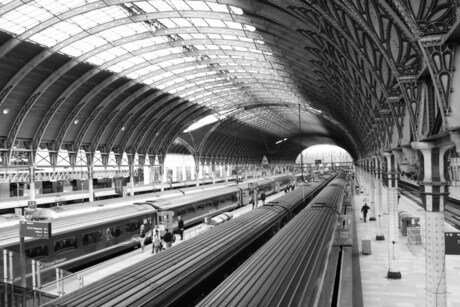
x=35, y=229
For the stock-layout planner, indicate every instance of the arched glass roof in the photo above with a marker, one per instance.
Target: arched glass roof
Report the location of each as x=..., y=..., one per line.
x=198, y=50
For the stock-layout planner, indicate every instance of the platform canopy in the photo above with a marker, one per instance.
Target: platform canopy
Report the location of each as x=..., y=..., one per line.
x=270, y=77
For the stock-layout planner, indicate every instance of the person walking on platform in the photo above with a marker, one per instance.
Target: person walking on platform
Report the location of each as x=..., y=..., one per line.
x=168, y=238
x=156, y=245
x=180, y=228
x=142, y=236
x=364, y=210
x=263, y=197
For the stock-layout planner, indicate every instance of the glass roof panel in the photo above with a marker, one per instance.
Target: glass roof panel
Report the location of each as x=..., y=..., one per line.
x=199, y=22
x=213, y=73
x=181, y=22
x=215, y=23
x=199, y=6
x=161, y=6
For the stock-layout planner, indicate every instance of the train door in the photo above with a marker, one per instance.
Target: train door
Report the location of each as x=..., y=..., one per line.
x=240, y=199
x=277, y=186
x=165, y=220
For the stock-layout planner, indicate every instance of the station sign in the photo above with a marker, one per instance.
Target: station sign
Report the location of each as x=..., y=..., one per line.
x=452, y=243
x=35, y=229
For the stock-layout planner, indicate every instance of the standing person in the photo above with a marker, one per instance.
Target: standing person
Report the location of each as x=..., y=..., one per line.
x=364, y=210
x=168, y=238
x=263, y=197
x=180, y=227
x=156, y=244
x=142, y=236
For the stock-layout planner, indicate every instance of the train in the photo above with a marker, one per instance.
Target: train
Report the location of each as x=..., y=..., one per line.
x=86, y=233
x=271, y=185
x=47, y=200
x=184, y=274
x=289, y=270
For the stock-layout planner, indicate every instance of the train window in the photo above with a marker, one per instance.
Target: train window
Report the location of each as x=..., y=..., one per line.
x=115, y=231
x=37, y=251
x=66, y=244
x=92, y=237
x=201, y=205
x=133, y=226
x=182, y=211
x=191, y=209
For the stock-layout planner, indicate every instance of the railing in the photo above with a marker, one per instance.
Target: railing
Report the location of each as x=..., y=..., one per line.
x=31, y=284
x=414, y=238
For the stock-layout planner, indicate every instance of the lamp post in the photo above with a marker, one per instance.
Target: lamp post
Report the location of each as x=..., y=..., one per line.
x=300, y=144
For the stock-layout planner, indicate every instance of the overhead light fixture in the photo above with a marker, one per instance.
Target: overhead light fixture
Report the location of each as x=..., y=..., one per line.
x=6, y=111
x=75, y=121
x=280, y=141
x=123, y=128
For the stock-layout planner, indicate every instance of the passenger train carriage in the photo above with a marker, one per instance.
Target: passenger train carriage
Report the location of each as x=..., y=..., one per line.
x=90, y=237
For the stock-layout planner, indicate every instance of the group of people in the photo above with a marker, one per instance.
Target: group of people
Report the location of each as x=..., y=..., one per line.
x=288, y=188
x=157, y=241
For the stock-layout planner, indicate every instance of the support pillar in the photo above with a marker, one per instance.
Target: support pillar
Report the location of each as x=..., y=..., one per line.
x=162, y=177
x=378, y=197
x=151, y=169
x=226, y=172
x=32, y=183
x=89, y=163
x=372, y=188
x=434, y=191
x=393, y=222
x=213, y=172
x=197, y=172
x=131, y=179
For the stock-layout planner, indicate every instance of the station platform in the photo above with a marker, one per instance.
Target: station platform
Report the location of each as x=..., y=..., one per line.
x=380, y=291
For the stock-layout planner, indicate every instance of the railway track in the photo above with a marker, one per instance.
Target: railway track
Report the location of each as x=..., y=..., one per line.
x=451, y=210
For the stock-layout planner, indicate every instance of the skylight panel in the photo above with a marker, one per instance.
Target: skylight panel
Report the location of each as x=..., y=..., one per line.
x=10, y=26
x=113, y=34
x=146, y=6
x=233, y=25
x=167, y=23
x=180, y=5
x=36, y=12
x=57, y=7
x=199, y=6
x=181, y=22
x=200, y=47
x=199, y=22
x=106, y=14
x=230, y=37
x=202, y=122
x=198, y=36
x=214, y=36
x=215, y=7
x=44, y=40
x=215, y=23
x=84, y=21
x=20, y=18
x=72, y=51
x=96, y=60
x=148, y=81
x=161, y=6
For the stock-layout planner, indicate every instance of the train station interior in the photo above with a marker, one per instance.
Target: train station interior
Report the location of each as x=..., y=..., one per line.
x=110, y=102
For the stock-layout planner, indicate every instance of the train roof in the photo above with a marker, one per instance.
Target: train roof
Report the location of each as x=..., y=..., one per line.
x=175, y=203
x=293, y=258
x=10, y=234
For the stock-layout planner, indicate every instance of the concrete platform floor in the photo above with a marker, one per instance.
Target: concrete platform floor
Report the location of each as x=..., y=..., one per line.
x=409, y=291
